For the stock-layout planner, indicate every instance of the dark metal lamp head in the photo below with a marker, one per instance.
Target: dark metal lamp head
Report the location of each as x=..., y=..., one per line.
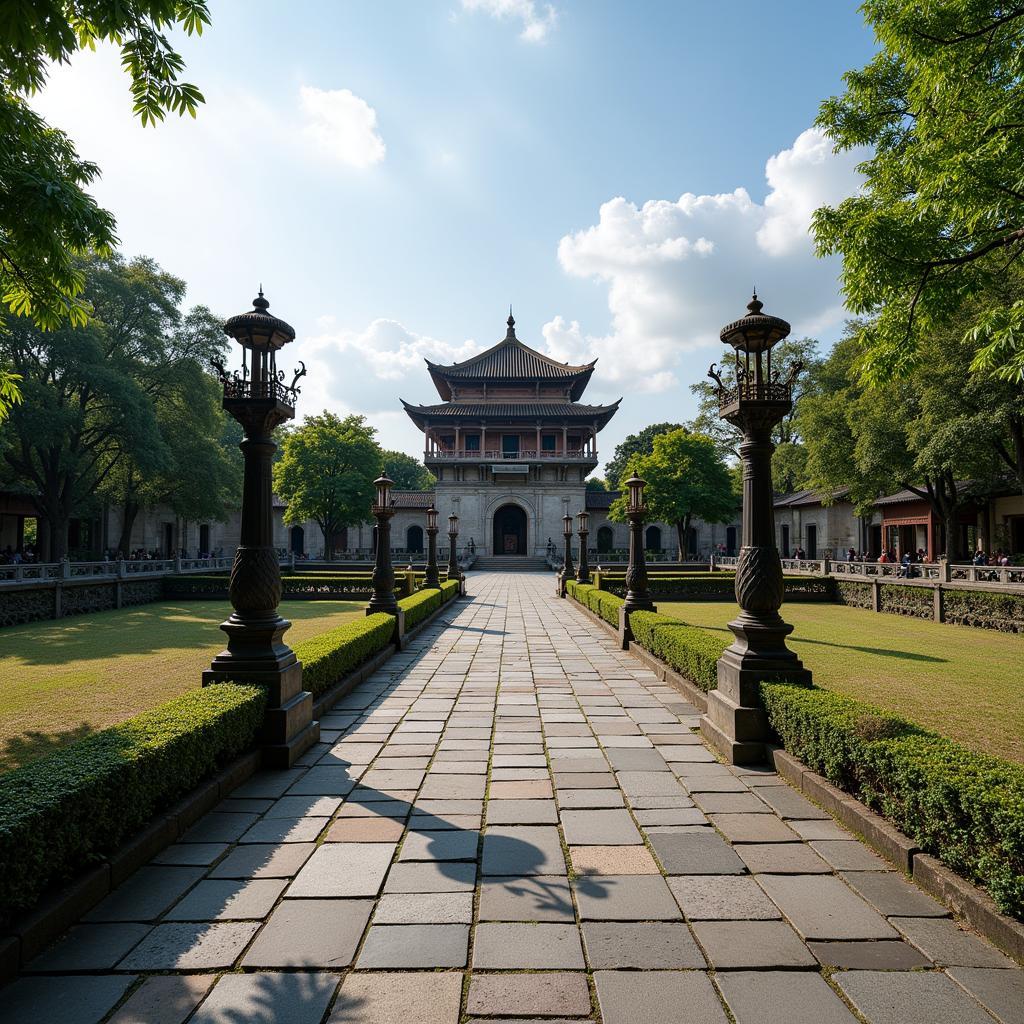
x=260, y=335
x=431, y=518
x=635, y=488
x=383, y=484
x=757, y=331
x=453, y=524
x=567, y=525
x=753, y=337
x=583, y=519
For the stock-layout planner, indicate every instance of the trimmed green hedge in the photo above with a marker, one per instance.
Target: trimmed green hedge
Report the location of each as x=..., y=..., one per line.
x=600, y=602
x=420, y=605
x=691, y=651
x=330, y=656
x=989, y=611
x=321, y=585
x=854, y=594
x=899, y=599
x=967, y=809
x=719, y=586
x=66, y=811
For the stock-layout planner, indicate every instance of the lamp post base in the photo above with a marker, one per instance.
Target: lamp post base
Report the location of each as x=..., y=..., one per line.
x=736, y=723
x=257, y=655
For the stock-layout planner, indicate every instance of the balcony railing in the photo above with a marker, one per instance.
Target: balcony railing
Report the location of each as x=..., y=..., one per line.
x=42, y=572
x=936, y=572
x=491, y=455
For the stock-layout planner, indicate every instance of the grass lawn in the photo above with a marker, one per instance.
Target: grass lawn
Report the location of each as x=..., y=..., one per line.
x=63, y=680
x=965, y=683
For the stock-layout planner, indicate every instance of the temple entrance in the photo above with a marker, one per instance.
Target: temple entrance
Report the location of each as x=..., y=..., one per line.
x=509, y=531
x=297, y=540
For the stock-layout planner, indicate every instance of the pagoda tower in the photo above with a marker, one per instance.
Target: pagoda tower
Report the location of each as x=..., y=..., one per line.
x=511, y=445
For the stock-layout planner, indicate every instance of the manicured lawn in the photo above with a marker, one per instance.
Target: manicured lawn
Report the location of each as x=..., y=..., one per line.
x=63, y=680
x=965, y=683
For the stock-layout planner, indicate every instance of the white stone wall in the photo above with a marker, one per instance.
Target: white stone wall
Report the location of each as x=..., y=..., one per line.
x=838, y=528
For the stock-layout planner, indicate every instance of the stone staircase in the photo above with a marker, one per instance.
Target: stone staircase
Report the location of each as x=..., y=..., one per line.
x=511, y=563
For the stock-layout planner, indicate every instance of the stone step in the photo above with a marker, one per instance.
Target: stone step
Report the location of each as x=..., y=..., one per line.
x=511, y=563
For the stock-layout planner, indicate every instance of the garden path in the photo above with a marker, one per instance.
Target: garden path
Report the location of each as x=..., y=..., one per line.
x=515, y=818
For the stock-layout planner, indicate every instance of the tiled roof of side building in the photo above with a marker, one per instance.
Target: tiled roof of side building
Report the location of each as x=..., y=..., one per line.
x=598, y=501
x=806, y=497
x=413, y=499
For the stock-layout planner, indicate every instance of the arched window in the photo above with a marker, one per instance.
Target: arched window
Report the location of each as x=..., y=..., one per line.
x=730, y=540
x=605, y=540
x=298, y=540
x=414, y=539
x=652, y=539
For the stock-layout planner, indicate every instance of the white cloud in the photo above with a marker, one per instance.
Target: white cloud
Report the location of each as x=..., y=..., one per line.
x=342, y=126
x=365, y=371
x=537, y=20
x=676, y=271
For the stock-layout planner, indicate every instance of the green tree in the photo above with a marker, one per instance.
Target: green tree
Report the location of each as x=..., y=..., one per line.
x=595, y=483
x=634, y=444
x=789, y=467
x=10, y=393
x=198, y=472
x=932, y=432
x=785, y=356
x=408, y=473
x=92, y=393
x=687, y=479
x=941, y=216
x=47, y=218
x=326, y=473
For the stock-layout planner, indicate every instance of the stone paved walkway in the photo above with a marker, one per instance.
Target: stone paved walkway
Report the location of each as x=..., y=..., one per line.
x=515, y=819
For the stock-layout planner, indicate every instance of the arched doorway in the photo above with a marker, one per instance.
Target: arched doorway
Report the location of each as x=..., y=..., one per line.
x=509, y=531
x=297, y=540
x=605, y=540
x=414, y=539
x=730, y=540
x=652, y=539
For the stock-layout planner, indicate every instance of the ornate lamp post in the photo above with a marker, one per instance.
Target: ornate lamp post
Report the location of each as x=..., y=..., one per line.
x=583, y=572
x=567, y=570
x=735, y=721
x=638, y=597
x=454, y=572
x=431, y=580
x=260, y=401
x=383, y=599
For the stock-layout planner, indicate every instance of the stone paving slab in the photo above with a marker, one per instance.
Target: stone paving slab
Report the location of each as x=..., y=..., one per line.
x=507, y=817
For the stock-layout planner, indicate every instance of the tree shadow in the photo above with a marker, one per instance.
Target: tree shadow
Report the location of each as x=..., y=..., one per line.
x=796, y=638
x=140, y=630
x=33, y=744
x=882, y=652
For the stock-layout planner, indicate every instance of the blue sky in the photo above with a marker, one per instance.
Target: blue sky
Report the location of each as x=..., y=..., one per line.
x=397, y=173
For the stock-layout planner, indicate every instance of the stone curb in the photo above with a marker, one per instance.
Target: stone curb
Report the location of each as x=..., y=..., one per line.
x=59, y=911
x=963, y=898
x=693, y=693
x=56, y=913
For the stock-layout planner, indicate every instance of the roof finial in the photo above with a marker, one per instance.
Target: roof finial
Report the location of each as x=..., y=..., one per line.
x=755, y=305
x=259, y=302
x=511, y=323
